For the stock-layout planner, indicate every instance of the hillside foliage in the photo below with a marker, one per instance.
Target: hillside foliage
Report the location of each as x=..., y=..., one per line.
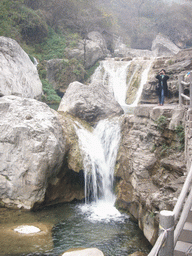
x=44, y=28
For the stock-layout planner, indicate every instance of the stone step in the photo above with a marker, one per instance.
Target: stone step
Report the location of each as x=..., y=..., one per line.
x=189, y=217
x=186, y=234
x=183, y=249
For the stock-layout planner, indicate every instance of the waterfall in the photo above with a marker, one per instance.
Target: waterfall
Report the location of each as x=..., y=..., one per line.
x=120, y=76
x=99, y=149
x=144, y=77
x=117, y=75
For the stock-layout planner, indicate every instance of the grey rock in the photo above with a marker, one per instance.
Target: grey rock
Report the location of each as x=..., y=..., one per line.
x=149, y=165
x=162, y=46
x=32, y=147
x=53, y=68
x=18, y=75
x=122, y=50
x=90, y=50
x=89, y=102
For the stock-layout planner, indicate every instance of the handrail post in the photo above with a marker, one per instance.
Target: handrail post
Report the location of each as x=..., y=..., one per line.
x=166, y=225
x=180, y=89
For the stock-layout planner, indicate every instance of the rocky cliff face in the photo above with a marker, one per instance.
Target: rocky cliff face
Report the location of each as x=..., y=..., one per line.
x=150, y=164
x=18, y=74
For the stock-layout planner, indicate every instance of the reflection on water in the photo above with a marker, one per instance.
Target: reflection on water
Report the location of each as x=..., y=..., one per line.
x=72, y=227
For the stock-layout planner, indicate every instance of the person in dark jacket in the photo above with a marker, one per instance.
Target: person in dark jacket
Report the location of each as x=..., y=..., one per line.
x=162, y=89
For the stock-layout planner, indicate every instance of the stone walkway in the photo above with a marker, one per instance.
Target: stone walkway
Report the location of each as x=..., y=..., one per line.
x=184, y=244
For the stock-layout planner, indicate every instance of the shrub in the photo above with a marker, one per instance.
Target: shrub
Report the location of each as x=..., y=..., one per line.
x=181, y=136
x=54, y=46
x=161, y=123
x=50, y=95
x=91, y=70
x=33, y=25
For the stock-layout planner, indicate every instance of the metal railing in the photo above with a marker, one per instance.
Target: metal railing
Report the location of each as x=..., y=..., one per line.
x=169, y=231
x=182, y=96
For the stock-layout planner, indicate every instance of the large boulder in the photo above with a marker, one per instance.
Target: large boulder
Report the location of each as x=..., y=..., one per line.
x=90, y=50
x=162, y=46
x=89, y=102
x=32, y=148
x=18, y=75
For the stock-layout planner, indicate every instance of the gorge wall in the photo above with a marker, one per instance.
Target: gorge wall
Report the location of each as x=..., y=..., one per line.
x=151, y=164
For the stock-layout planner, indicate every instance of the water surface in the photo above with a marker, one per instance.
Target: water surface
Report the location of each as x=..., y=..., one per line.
x=74, y=226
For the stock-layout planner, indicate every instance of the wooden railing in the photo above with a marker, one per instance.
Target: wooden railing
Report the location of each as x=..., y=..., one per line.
x=182, y=96
x=169, y=226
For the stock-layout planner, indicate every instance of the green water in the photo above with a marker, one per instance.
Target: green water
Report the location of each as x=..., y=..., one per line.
x=69, y=227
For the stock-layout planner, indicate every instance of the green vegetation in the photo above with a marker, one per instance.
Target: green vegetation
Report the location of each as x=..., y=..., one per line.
x=50, y=96
x=161, y=123
x=90, y=71
x=54, y=46
x=45, y=29
x=164, y=149
x=180, y=131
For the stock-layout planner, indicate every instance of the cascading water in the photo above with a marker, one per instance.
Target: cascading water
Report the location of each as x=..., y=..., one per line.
x=119, y=76
x=100, y=146
x=144, y=77
x=99, y=149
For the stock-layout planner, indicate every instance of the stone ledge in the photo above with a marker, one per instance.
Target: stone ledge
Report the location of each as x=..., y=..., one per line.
x=153, y=112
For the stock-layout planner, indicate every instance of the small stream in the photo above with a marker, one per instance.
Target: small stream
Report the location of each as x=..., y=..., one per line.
x=73, y=227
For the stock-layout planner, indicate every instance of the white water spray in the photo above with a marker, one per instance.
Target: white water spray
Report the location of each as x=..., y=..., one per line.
x=116, y=74
x=99, y=150
x=143, y=81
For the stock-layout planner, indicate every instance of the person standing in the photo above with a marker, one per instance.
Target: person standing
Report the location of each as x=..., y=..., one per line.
x=162, y=89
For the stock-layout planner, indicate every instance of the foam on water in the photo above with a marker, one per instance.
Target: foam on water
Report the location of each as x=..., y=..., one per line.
x=99, y=150
x=102, y=211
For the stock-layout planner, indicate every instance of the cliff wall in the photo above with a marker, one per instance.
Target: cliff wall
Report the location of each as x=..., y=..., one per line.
x=151, y=165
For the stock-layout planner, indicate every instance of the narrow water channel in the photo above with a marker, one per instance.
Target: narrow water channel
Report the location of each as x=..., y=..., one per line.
x=72, y=226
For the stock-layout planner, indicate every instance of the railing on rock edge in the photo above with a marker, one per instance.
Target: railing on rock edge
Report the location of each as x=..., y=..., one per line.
x=168, y=231
x=182, y=96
